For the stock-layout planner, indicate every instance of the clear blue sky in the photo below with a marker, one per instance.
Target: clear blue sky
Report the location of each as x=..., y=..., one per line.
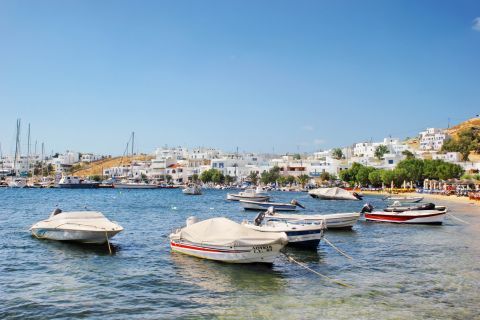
x=288, y=75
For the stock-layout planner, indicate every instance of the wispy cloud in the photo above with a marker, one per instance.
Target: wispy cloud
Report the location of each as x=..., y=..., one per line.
x=318, y=141
x=308, y=127
x=476, y=24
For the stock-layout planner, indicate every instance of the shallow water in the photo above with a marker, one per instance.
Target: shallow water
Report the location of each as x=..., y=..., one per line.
x=398, y=271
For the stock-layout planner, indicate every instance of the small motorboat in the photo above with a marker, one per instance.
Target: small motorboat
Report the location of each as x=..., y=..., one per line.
x=331, y=220
x=248, y=194
x=80, y=226
x=73, y=182
x=17, y=182
x=299, y=232
x=193, y=190
x=422, y=214
x=224, y=240
x=334, y=194
x=132, y=184
x=260, y=205
x=405, y=199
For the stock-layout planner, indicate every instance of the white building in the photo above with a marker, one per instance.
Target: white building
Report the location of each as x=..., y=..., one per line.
x=432, y=139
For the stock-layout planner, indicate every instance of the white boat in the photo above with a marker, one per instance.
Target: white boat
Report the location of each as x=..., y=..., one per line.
x=405, y=199
x=299, y=232
x=224, y=240
x=248, y=194
x=17, y=182
x=334, y=194
x=422, y=214
x=79, y=226
x=72, y=182
x=134, y=185
x=331, y=220
x=192, y=190
x=261, y=205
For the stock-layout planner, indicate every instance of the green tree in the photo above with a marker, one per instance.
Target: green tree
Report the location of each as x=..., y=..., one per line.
x=206, y=176
x=380, y=151
x=297, y=156
x=325, y=176
x=375, y=178
x=468, y=140
x=229, y=179
x=96, y=178
x=337, y=153
x=362, y=176
x=218, y=177
x=253, y=177
x=270, y=176
x=303, y=179
x=194, y=178
x=290, y=180
x=414, y=169
x=408, y=154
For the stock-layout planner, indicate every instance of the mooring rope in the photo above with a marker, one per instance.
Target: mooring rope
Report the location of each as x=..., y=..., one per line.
x=339, y=251
x=316, y=272
x=452, y=216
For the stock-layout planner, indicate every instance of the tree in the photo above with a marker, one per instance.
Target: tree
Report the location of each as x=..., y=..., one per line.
x=325, y=176
x=409, y=154
x=380, y=151
x=218, y=177
x=194, y=178
x=206, y=176
x=253, y=177
x=290, y=180
x=375, y=178
x=362, y=176
x=270, y=176
x=414, y=169
x=468, y=140
x=337, y=154
x=303, y=179
x=96, y=178
x=229, y=179
x=297, y=156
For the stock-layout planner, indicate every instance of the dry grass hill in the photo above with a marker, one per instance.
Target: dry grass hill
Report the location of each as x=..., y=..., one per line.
x=474, y=122
x=96, y=167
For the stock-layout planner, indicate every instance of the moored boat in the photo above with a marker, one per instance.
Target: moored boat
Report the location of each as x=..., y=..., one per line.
x=129, y=184
x=423, y=214
x=248, y=194
x=79, y=226
x=72, y=182
x=224, y=240
x=192, y=190
x=405, y=199
x=334, y=194
x=331, y=220
x=299, y=232
x=261, y=205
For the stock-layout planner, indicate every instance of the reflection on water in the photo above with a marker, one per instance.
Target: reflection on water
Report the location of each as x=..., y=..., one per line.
x=397, y=271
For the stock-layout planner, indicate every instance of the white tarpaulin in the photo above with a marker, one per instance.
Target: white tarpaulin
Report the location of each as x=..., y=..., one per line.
x=332, y=194
x=224, y=232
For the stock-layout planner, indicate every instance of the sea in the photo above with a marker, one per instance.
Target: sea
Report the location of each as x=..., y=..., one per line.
x=395, y=271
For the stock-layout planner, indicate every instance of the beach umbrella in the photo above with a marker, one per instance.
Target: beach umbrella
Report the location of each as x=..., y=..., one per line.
x=404, y=184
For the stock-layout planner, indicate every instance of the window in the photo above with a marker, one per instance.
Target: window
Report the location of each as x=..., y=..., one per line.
x=390, y=161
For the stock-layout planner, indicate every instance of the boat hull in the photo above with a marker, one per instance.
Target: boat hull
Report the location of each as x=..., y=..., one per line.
x=133, y=186
x=406, y=199
x=332, y=221
x=82, y=236
x=242, y=254
x=236, y=197
x=408, y=217
x=259, y=206
x=78, y=185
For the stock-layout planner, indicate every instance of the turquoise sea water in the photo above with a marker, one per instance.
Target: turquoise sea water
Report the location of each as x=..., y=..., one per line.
x=398, y=271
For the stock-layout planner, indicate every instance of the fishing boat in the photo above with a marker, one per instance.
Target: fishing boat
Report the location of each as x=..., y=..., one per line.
x=299, y=232
x=422, y=214
x=405, y=199
x=17, y=182
x=331, y=220
x=224, y=240
x=192, y=190
x=79, y=226
x=334, y=194
x=248, y=194
x=72, y=182
x=261, y=205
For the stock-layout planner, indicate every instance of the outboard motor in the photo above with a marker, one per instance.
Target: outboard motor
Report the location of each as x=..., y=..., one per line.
x=259, y=219
x=191, y=220
x=367, y=208
x=298, y=204
x=426, y=206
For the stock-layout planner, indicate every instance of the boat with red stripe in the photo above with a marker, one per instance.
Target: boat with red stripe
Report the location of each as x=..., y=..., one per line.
x=422, y=214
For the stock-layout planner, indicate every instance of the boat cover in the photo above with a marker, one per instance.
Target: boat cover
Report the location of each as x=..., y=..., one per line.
x=225, y=232
x=333, y=193
x=78, y=220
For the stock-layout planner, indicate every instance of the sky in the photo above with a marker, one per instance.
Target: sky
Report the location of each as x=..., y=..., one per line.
x=263, y=76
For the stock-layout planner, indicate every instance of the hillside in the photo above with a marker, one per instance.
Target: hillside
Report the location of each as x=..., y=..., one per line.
x=474, y=122
x=96, y=167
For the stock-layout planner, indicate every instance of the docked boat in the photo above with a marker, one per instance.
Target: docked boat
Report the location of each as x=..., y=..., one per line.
x=131, y=184
x=261, y=205
x=334, y=194
x=17, y=182
x=405, y=199
x=331, y=220
x=422, y=214
x=299, y=232
x=79, y=226
x=248, y=194
x=192, y=190
x=224, y=240
x=72, y=182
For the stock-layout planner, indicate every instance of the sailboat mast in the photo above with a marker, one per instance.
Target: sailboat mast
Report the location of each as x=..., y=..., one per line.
x=133, y=141
x=17, y=148
x=28, y=151
x=43, y=152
